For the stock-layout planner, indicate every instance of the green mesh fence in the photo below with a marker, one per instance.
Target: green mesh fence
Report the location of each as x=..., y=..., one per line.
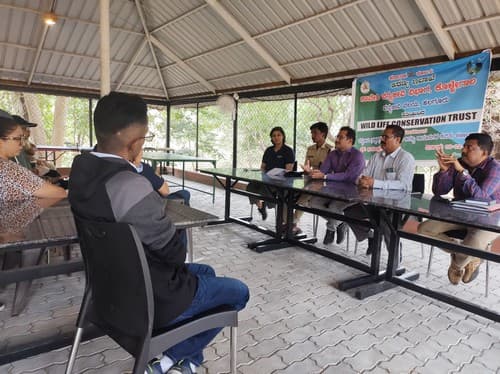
x=215, y=136
x=256, y=118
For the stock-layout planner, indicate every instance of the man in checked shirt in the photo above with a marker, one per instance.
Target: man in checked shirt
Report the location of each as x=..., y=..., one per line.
x=475, y=175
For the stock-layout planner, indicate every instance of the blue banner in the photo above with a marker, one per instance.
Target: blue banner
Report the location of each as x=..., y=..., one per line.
x=437, y=105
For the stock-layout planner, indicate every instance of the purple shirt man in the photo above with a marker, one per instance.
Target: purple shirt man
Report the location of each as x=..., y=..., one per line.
x=474, y=175
x=344, y=164
x=482, y=182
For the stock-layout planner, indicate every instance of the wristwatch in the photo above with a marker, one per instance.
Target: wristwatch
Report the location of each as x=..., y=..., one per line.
x=464, y=172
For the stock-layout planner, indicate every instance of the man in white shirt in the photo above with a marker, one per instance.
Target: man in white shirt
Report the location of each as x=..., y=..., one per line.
x=392, y=168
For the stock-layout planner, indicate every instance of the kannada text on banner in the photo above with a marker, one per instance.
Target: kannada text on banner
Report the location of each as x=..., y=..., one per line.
x=437, y=105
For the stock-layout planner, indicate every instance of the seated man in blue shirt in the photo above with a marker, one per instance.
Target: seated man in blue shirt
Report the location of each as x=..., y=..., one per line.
x=159, y=184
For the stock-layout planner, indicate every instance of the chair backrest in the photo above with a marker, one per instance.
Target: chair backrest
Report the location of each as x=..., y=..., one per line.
x=418, y=184
x=121, y=302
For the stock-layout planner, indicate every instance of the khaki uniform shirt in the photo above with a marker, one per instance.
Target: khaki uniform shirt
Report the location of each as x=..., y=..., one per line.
x=317, y=155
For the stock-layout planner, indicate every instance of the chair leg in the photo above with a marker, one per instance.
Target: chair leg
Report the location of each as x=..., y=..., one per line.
x=347, y=240
x=422, y=251
x=486, y=285
x=74, y=349
x=234, y=331
x=355, y=246
x=430, y=260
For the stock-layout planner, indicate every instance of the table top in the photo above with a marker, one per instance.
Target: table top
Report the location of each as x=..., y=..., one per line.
x=425, y=206
x=35, y=223
x=168, y=156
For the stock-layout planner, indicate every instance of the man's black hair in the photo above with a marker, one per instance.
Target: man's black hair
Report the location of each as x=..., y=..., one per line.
x=484, y=141
x=117, y=111
x=350, y=133
x=321, y=126
x=397, y=131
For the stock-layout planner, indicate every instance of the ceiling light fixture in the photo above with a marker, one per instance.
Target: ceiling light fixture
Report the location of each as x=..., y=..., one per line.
x=49, y=19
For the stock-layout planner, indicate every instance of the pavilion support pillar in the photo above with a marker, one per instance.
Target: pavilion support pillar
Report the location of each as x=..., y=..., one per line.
x=105, y=58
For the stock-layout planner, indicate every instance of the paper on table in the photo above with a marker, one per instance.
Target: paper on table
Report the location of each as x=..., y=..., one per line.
x=276, y=173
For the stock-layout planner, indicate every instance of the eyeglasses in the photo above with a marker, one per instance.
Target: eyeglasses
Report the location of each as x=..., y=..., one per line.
x=148, y=137
x=341, y=137
x=385, y=137
x=16, y=138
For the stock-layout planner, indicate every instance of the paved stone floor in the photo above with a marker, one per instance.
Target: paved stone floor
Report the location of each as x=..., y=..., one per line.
x=296, y=320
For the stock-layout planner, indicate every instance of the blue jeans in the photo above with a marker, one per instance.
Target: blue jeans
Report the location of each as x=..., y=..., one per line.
x=184, y=195
x=211, y=293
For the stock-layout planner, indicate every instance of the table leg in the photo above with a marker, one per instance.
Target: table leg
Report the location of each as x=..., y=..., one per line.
x=21, y=294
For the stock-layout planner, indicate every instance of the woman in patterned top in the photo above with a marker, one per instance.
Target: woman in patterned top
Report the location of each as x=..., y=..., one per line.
x=16, y=182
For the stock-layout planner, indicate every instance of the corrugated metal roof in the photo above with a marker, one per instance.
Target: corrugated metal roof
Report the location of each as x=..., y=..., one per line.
x=213, y=45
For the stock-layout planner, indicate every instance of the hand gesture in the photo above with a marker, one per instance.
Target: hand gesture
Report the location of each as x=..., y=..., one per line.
x=307, y=167
x=445, y=161
x=366, y=182
x=317, y=174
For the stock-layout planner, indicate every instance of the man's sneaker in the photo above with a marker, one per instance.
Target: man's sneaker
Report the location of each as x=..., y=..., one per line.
x=341, y=232
x=471, y=271
x=181, y=367
x=329, y=236
x=263, y=212
x=153, y=367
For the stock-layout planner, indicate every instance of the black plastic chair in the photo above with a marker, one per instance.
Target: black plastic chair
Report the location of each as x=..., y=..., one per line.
x=118, y=297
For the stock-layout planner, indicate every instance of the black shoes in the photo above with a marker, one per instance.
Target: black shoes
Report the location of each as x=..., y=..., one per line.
x=263, y=212
x=371, y=243
x=329, y=237
x=341, y=232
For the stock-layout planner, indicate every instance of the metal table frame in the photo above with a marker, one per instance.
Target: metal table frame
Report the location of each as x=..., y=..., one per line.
x=155, y=158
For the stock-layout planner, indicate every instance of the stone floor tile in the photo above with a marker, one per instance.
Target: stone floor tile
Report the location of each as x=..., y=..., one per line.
x=490, y=357
x=298, y=351
x=403, y=363
x=481, y=340
x=365, y=359
x=330, y=337
x=266, y=348
x=299, y=334
x=306, y=366
x=342, y=367
x=476, y=367
x=264, y=365
x=393, y=346
x=331, y=355
x=361, y=342
x=440, y=365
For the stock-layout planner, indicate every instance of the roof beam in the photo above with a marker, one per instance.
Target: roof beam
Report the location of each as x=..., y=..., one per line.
x=181, y=17
x=131, y=64
x=254, y=44
x=148, y=38
x=433, y=19
x=167, y=52
x=40, y=45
